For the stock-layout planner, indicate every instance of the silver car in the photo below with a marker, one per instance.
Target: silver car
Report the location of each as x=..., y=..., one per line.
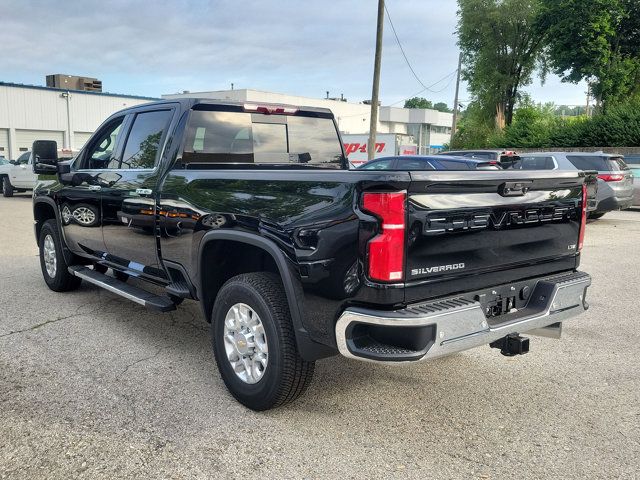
x=615, y=179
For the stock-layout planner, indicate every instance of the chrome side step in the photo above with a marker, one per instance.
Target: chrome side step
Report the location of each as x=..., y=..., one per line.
x=147, y=299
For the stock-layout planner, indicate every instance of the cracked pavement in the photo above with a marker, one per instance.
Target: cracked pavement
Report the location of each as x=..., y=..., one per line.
x=94, y=386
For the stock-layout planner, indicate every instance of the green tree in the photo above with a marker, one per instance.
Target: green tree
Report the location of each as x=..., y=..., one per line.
x=442, y=107
x=500, y=42
x=418, y=102
x=597, y=41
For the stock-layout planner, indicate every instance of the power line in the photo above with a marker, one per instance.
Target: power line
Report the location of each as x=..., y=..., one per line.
x=449, y=76
x=406, y=59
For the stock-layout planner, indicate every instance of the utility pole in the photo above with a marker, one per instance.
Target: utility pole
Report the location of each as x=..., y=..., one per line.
x=588, y=96
x=455, y=100
x=373, y=126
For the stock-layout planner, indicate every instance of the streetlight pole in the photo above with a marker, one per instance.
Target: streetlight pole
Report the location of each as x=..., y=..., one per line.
x=373, y=126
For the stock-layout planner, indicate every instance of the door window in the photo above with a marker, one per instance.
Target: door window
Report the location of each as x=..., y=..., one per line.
x=141, y=149
x=453, y=165
x=379, y=165
x=101, y=153
x=413, y=164
x=23, y=159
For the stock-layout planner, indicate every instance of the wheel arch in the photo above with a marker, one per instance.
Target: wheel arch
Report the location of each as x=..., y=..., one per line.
x=44, y=209
x=214, y=249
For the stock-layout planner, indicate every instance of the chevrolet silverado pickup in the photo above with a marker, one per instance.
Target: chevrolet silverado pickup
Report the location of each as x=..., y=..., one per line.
x=251, y=210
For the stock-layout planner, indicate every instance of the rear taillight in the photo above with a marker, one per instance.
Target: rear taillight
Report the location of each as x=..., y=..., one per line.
x=583, y=222
x=386, y=250
x=616, y=177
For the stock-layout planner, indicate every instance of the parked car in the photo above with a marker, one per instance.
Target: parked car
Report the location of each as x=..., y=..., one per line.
x=615, y=179
x=635, y=169
x=504, y=157
x=17, y=175
x=431, y=162
x=251, y=210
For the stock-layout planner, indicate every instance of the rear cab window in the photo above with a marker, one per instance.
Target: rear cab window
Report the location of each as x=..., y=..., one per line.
x=241, y=137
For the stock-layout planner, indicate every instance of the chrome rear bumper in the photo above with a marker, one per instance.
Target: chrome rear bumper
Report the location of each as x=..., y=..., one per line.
x=457, y=324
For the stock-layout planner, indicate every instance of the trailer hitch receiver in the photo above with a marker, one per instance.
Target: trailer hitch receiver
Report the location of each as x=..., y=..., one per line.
x=511, y=345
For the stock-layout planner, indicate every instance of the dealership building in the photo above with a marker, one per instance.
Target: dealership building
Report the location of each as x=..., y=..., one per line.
x=69, y=117
x=69, y=112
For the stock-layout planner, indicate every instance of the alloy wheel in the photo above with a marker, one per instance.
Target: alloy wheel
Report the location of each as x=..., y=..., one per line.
x=245, y=343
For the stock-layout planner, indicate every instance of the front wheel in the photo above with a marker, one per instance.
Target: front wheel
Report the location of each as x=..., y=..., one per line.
x=254, y=342
x=52, y=262
x=7, y=188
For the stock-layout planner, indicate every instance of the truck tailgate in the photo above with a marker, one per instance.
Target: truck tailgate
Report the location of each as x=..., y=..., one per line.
x=485, y=228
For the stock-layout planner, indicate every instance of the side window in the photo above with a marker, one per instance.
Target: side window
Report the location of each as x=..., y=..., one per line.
x=379, y=165
x=536, y=163
x=413, y=164
x=452, y=165
x=481, y=155
x=101, y=152
x=24, y=158
x=587, y=162
x=141, y=149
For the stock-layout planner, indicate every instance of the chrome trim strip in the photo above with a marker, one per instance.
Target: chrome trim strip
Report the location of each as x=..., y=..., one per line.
x=466, y=326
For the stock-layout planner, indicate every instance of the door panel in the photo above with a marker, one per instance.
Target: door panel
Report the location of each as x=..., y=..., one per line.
x=128, y=204
x=80, y=200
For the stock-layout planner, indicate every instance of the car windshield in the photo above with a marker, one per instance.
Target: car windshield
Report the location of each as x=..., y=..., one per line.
x=243, y=137
x=3, y=161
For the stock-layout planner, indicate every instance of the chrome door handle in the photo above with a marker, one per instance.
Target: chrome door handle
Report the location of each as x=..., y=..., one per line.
x=144, y=191
x=95, y=188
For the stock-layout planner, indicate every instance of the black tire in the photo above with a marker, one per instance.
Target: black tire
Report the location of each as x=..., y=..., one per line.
x=7, y=188
x=123, y=277
x=286, y=375
x=595, y=215
x=62, y=280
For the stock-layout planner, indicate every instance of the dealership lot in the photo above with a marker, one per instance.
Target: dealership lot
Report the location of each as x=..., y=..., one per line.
x=93, y=386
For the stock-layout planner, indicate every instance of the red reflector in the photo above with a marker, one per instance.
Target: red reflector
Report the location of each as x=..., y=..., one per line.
x=611, y=177
x=583, y=222
x=386, y=250
x=269, y=109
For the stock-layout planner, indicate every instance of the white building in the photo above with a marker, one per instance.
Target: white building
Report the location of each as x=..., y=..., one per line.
x=431, y=129
x=69, y=117
x=29, y=113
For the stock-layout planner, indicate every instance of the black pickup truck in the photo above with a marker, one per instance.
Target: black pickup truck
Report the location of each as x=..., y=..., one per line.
x=251, y=210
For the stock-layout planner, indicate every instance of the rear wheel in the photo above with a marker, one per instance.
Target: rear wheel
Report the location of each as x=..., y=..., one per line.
x=254, y=342
x=54, y=266
x=7, y=188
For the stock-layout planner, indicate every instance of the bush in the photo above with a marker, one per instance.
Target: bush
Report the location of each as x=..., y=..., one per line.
x=536, y=126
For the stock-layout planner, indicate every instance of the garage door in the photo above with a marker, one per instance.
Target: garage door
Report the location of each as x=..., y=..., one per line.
x=80, y=138
x=25, y=138
x=4, y=143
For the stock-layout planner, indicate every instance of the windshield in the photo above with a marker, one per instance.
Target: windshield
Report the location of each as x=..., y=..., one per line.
x=243, y=137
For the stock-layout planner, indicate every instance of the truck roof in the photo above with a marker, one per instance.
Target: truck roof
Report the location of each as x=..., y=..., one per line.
x=190, y=102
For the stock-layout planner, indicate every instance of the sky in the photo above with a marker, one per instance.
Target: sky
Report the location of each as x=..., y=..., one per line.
x=299, y=47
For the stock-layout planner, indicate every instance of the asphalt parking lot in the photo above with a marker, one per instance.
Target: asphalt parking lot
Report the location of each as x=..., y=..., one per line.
x=94, y=386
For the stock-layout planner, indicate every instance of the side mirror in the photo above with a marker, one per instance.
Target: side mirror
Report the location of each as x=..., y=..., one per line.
x=45, y=156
